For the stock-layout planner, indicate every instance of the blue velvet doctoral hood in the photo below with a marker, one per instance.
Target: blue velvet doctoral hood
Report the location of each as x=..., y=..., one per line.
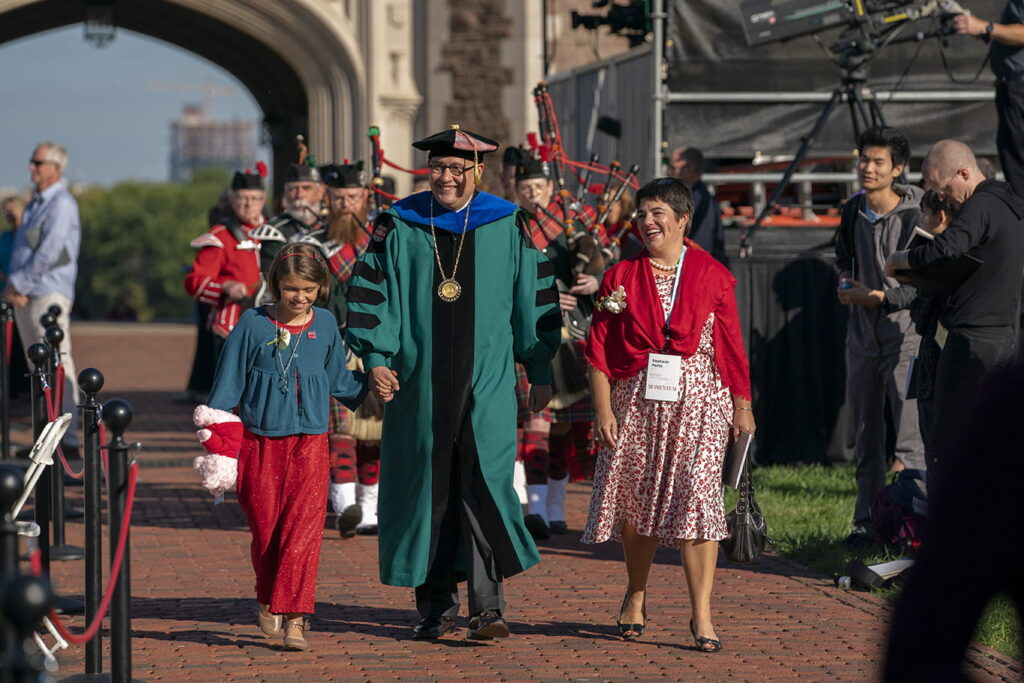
x=483, y=209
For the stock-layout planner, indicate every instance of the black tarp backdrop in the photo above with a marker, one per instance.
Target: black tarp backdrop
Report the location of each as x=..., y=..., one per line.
x=709, y=53
x=795, y=331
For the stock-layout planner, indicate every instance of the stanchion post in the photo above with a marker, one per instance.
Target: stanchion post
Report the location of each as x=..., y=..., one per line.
x=25, y=600
x=39, y=355
x=11, y=482
x=6, y=319
x=117, y=415
x=54, y=336
x=91, y=381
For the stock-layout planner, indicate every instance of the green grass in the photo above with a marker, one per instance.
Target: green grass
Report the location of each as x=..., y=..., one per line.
x=808, y=509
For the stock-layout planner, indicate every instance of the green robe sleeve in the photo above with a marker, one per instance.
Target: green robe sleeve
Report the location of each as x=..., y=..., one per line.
x=374, y=311
x=536, y=323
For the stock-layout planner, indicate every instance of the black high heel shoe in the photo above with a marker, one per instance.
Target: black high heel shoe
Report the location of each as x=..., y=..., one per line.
x=632, y=631
x=700, y=643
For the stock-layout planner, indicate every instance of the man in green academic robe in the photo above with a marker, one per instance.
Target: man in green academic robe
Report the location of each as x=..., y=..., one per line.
x=449, y=292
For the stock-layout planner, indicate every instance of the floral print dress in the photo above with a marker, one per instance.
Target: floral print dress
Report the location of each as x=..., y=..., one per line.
x=665, y=474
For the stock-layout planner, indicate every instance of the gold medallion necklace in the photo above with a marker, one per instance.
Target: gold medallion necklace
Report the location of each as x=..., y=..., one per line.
x=449, y=290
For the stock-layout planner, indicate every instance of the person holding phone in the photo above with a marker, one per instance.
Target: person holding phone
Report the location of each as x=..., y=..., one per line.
x=880, y=340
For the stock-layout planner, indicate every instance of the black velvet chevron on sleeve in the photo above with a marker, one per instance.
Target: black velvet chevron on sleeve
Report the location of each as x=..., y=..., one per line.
x=365, y=295
x=545, y=269
x=366, y=321
x=547, y=296
x=368, y=272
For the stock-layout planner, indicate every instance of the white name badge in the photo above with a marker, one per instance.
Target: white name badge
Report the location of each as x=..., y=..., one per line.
x=664, y=372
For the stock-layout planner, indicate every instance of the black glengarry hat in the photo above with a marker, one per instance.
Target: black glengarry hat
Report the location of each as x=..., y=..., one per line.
x=512, y=156
x=305, y=170
x=530, y=167
x=343, y=175
x=248, y=180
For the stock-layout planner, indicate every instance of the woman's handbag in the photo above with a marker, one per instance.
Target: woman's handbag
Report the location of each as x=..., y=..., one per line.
x=748, y=531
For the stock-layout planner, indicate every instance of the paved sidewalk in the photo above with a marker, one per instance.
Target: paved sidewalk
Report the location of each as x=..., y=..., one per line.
x=193, y=612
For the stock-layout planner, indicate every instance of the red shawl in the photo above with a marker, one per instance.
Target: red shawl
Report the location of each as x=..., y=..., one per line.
x=619, y=343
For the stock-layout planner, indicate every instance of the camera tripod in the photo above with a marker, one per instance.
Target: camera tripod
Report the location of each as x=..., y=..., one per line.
x=864, y=113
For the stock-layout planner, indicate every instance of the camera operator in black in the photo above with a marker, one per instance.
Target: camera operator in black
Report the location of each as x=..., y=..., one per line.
x=982, y=313
x=1007, y=57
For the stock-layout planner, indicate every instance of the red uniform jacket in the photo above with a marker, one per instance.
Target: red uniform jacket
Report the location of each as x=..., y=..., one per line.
x=222, y=258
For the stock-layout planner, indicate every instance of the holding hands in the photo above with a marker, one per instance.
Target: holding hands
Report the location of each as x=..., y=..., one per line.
x=384, y=382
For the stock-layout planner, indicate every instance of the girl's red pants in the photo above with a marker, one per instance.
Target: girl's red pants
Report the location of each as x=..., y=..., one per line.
x=282, y=488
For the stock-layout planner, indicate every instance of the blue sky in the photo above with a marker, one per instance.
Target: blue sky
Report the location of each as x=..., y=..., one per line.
x=110, y=107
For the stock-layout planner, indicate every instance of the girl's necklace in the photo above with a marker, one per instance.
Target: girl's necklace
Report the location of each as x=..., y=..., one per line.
x=283, y=383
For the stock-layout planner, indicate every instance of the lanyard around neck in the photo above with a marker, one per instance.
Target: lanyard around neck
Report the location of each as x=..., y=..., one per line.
x=675, y=293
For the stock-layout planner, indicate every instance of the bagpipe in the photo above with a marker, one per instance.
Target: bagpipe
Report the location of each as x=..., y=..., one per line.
x=604, y=196
x=381, y=198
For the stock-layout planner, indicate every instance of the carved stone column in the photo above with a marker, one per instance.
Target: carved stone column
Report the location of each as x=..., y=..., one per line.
x=394, y=98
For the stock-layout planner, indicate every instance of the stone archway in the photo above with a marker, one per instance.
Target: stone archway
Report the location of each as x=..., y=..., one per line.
x=300, y=60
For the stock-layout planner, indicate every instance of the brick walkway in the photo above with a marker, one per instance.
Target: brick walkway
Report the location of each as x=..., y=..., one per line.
x=193, y=612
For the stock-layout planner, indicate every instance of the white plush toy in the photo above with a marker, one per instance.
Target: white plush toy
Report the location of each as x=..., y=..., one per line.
x=220, y=434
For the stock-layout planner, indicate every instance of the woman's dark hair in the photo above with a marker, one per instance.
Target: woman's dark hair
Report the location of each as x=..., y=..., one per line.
x=673, y=192
x=933, y=201
x=302, y=261
x=886, y=136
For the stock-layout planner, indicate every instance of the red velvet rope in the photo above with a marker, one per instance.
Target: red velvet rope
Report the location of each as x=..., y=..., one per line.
x=413, y=171
x=115, y=570
x=384, y=161
x=50, y=417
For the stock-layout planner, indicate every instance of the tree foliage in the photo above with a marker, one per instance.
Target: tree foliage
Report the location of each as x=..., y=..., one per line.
x=135, y=244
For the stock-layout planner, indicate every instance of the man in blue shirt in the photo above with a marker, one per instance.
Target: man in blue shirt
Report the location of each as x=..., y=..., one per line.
x=44, y=263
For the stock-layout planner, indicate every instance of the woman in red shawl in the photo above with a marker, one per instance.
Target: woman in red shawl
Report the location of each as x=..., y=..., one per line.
x=670, y=381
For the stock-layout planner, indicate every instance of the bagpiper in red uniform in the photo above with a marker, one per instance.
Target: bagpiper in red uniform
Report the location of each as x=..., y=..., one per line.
x=227, y=253
x=568, y=237
x=355, y=435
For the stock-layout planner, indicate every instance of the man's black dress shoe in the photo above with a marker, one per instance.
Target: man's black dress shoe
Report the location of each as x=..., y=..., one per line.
x=433, y=627
x=487, y=625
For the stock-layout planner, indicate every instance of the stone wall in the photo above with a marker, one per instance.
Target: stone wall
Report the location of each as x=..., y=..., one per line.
x=472, y=55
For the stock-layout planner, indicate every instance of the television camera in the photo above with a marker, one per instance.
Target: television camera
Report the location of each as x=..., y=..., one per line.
x=630, y=20
x=769, y=21
x=869, y=25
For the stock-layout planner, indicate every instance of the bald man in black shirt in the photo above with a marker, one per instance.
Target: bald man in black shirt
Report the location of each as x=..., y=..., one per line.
x=982, y=313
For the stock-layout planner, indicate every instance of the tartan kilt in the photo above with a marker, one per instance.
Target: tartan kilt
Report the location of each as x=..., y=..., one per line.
x=339, y=414
x=580, y=411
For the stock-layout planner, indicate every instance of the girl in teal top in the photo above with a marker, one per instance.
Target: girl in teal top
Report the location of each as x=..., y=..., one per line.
x=280, y=366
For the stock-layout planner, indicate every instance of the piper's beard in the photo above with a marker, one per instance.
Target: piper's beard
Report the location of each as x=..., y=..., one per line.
x=303, y=211
x=346, y=227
